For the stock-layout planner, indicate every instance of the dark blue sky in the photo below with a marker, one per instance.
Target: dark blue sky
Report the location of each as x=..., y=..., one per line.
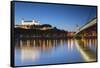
x=61, y=16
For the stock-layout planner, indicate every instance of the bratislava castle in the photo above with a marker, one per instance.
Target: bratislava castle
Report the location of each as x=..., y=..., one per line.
x=30, y=22
x=33, y=24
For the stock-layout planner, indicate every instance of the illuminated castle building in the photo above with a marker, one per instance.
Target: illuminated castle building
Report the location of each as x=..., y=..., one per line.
x=32, y=24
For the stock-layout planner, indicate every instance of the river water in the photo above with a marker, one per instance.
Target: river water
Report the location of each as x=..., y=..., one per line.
x=54, y=51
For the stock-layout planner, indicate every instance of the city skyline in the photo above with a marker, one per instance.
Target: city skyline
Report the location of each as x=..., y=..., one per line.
x=65, y=17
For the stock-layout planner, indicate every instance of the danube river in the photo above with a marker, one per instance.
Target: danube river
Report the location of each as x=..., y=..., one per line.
x=54, y=51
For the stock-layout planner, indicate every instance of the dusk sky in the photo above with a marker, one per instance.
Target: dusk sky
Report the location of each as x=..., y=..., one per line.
x=61, y=16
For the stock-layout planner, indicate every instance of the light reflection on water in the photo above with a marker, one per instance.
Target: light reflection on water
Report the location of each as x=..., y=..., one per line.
x=50, y=51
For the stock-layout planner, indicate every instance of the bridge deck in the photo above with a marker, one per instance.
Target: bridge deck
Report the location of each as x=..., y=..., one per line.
x=87, y=25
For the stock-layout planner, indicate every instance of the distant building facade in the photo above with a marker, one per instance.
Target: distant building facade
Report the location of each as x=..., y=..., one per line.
x=70, y=34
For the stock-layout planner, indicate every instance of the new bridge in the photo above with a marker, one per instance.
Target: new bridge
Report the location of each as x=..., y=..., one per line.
x=88, y=30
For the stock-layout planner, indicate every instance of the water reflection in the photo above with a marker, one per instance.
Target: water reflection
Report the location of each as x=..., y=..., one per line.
x=89, y=43
x=50, y=51
x=71, y=44
x=29, y=54
x=88, y=49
